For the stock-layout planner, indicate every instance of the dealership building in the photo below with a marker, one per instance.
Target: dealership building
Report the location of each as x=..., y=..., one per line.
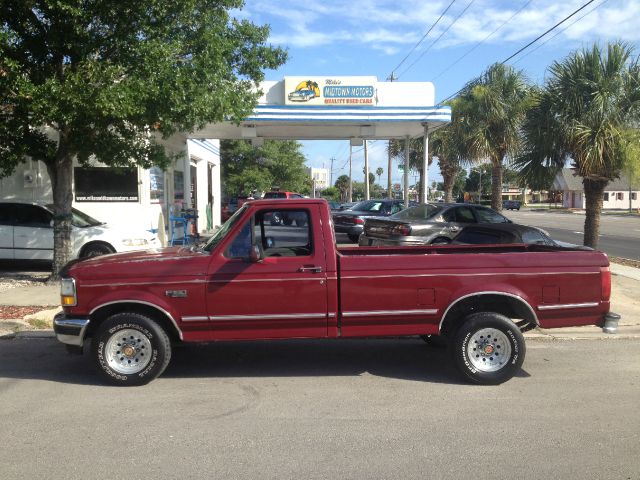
x=352, y=109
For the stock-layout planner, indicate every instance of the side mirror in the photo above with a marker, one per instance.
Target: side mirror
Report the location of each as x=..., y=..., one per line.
x=255, y=254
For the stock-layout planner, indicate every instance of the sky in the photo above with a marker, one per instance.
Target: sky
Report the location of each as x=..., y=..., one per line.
x=378, y=37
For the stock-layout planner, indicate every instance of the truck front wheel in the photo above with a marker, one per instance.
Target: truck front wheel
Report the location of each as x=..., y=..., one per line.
x=488, y=348
x=130, y=349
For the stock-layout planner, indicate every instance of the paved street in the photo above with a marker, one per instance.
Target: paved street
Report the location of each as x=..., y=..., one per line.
x=619, y=235
x=323, y=409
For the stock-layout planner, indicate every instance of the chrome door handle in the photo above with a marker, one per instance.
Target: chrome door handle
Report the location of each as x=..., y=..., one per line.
x=310, y=269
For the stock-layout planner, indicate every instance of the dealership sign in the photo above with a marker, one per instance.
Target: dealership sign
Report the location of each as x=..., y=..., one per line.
x=327, y=91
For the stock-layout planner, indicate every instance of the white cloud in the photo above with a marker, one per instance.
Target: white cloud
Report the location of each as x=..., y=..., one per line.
x=392, y=26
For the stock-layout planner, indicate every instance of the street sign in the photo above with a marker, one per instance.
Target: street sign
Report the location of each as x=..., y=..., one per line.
x=397, y=187
x=401, y=167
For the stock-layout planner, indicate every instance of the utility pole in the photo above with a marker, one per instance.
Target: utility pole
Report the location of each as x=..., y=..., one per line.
x=425, y=166
x=350, y=179
x=407, y=143
x=366, y=173
x=331, y=173
x=389, y=186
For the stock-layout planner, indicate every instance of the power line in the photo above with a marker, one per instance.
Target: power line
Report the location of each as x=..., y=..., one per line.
x=552, y=28
x=527, y=45
x=437, y=39
x=422, y=39
x=565, y=28
x=481, y=41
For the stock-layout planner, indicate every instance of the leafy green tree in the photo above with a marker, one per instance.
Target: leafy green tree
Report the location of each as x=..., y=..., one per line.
x=331, y=193
x=583, y=113
x=277, y=163
x=103, y=79
x=492, y=109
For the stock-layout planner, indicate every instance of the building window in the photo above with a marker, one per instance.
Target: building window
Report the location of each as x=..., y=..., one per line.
x=620, y=196
x=104, y=184
x=634, y=196
x=156, y=181
x=606, y=196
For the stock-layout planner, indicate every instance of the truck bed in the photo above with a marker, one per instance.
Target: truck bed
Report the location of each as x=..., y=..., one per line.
x=408, y=290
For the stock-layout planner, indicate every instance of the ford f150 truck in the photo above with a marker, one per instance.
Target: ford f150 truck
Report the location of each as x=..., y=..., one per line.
x=254, y=280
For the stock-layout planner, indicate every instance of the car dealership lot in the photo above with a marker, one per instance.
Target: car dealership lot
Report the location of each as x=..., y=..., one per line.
x=392, y=408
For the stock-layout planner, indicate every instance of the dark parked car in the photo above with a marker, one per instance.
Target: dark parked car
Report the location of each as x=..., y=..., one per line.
x=490, y=234
x=511, y=205
x=351, y=221
x=426, y=223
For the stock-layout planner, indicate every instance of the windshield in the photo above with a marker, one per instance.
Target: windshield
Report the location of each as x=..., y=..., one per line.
x=222, y=232
x=80, y=219
x=420, y=212
x=368, y=206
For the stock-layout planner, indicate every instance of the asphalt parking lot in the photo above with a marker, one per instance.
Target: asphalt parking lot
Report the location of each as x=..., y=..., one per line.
x=358, y=409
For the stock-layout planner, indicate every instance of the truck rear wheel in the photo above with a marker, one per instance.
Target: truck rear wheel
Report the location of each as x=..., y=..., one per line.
x=130, y=349
x=488, y=348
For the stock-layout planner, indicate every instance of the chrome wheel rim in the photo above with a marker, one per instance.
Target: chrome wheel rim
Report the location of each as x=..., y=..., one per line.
x=128, y=351
x=489, y=350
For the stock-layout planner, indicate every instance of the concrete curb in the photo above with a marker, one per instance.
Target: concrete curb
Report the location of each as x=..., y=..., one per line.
x=576, y=333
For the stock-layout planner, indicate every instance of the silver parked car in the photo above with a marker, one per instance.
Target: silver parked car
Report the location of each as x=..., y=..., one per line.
x=425, y=224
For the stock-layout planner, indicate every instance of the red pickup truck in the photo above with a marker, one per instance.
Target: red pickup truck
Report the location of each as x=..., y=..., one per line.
x=254, y=280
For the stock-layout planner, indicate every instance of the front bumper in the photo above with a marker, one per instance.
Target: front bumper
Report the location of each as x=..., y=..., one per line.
x=610, y=322
x=70, y=330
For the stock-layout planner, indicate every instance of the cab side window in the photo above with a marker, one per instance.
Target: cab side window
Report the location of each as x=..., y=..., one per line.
x=283, y=233
x=278, y=233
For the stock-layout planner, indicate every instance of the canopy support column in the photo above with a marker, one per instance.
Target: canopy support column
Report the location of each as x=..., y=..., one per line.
x=407, y=146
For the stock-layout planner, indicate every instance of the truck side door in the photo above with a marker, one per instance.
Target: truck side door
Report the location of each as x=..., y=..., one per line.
x=33, y=233
x=6, y=230
x=282, y=295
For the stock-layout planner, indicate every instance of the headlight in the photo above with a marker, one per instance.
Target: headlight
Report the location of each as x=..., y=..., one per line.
x=135, y=242
x=68, y=292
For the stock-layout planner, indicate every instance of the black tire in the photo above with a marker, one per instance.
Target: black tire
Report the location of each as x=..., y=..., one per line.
x=95, y=250
x=287, y=221
x=353, y=238
x=147, y=342
x=301, y=223
x=435, y=341
x=486, y=336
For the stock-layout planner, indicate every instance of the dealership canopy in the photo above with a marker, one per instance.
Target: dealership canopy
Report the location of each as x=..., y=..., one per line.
x=335, y=108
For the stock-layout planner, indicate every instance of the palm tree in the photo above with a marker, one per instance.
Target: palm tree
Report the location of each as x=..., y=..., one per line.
x=449, y=145
x=491, y=110
x=379, y=172
x=583, y=113
x=342, y=184
x=397, y=149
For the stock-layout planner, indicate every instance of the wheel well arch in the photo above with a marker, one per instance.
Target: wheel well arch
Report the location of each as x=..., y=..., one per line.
x=159, y=315
x=102, y=243
x=507, y=304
